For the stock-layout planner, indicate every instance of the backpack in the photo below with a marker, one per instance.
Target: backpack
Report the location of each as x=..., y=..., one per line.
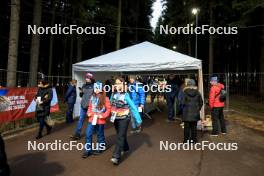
x=222, y=95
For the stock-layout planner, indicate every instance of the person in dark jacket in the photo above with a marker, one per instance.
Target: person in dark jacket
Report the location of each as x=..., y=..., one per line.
x=70, y=99
x=4, y=167
x=43, y=100
x=170, y=97
x=85, y=93
x=192, y=103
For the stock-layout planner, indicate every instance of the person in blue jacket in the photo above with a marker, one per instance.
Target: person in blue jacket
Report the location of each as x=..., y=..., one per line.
x=70, y=99
x=137, y=95
x=171, y=96
x=122, y=107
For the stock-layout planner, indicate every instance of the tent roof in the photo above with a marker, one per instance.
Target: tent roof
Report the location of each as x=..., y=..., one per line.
x=144, y=56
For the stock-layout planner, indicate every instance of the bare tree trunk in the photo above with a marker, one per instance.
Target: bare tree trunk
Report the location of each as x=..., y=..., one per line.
x=211, y=44
x=71, y=54
x=189, y=46
x=13, y=43
x=65, y=59
x=248, y=59
x=35, y=42
x=137, y=15
x=118, y=24
x=51, y=38
x=102, y=45
x=262, y=60
x=79, y=49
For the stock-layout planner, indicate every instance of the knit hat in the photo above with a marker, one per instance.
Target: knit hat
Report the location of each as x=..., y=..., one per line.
x=98, y=86
x=214, y=79
x=191, y=82
x=89, y=75
x=132, y=77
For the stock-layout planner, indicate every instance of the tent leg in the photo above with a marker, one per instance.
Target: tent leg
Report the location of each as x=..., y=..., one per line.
x=147, y=115
x=201, y=90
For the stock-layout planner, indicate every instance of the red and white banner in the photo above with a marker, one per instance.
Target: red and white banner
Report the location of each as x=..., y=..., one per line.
x=22, y=103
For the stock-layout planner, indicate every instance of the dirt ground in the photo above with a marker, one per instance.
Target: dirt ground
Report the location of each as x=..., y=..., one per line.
x=145, y=157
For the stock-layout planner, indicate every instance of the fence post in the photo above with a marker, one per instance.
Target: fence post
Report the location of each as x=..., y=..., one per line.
x=201, y=89
x=227, y=90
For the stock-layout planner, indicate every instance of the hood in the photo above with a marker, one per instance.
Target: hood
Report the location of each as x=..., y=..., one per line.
x=44, y=87
x=88, y=84
x=218, y=87
x=191, y=91
x=221, y=86
x=171, y=82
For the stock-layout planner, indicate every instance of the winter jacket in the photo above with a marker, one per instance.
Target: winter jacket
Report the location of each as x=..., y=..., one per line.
x=93, y=110
x=180, y=95
x=174, y=88
x=137, y=93
x=87, y=91
x=192, y=103
x=124, y=106
x=4, y=167
x=43, y=110
x=70, y=96
x=214, y=101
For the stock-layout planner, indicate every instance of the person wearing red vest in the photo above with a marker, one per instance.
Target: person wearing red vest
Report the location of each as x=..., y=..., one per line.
x=216, y=106
x=99, y=109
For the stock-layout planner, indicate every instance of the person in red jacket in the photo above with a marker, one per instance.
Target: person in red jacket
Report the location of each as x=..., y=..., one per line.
x=99, y=109
x=216, y=106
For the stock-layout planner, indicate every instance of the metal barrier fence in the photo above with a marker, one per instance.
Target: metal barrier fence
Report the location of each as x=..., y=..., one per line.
x=59, y=82
x=244, y=93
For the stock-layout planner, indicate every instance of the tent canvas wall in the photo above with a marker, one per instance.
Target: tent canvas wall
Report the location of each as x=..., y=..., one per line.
x=140, y=58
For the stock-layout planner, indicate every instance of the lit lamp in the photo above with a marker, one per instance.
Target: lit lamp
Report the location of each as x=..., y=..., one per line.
x=195, y=11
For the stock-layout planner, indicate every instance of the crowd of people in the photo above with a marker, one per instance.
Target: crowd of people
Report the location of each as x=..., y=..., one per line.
x=125, y=103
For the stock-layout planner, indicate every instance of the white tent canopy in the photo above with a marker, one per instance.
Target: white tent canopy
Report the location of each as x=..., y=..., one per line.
x=143, y=57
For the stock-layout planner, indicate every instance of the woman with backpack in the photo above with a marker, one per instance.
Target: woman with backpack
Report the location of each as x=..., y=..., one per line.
x=217, y=104
x=122, y=107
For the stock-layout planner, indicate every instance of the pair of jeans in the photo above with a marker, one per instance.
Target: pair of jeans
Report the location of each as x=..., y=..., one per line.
x=83, y=115
x=190, y=132
x=218, y=116
x=170, y=99
x=42, y=124
x=69, y=113
x=100, y=145
x=121, y=126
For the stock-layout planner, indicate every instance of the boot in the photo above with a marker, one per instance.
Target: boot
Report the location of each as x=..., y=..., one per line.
x=39, y=136
x=49, y=130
